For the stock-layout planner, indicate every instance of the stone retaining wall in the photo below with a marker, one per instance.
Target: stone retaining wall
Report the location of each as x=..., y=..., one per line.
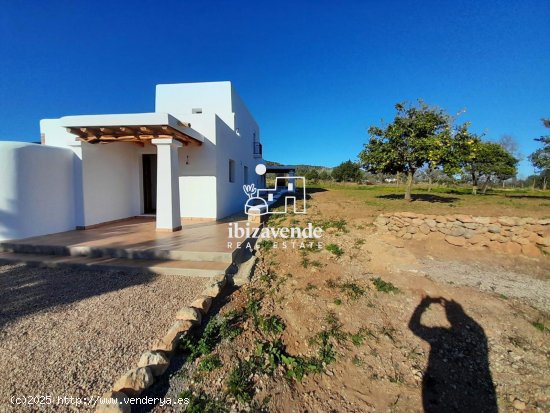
x=513, y=235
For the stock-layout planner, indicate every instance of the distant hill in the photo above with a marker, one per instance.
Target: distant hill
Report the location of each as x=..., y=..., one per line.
x=302, y=166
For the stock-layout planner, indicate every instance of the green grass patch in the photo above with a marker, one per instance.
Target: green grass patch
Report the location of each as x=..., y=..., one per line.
x=384, y=286
x=265, y=244
x=210, y=363
x=239, y=383
x=352, y=290
x=539, y=326
x=335, y=249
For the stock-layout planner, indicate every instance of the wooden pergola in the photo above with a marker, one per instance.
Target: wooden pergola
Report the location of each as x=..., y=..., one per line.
x=138, y=135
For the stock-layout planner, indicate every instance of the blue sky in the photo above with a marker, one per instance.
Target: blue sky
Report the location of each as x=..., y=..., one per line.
x=315, y=74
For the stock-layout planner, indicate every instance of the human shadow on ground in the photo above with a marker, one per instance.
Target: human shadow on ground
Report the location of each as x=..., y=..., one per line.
x=26, y=289
x=458, y=378
x=423, y=197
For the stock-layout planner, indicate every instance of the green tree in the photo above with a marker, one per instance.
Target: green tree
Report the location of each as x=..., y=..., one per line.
x=541, y=157
x=489, y=161
x=324, y=175
x=312, y=175
x=347, y=172
x=419, y=135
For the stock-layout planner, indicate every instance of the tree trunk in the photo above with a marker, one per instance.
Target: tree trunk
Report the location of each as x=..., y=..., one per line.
x=544, y=183
x=474, y=184
x=429, y=183
x=409, y=186
x=397, y=179
x=485, y=185
x=534, y=182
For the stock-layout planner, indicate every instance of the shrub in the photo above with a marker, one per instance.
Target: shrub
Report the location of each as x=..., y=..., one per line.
x=383, y=286
x=335, y=249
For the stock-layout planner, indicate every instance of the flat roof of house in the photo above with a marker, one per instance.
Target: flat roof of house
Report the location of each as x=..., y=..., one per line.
x=280, y=168
x=100, y=127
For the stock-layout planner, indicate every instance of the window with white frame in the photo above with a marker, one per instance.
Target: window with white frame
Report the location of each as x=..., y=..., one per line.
x=231, y=170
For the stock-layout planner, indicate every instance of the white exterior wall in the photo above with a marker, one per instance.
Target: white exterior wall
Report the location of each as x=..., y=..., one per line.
x=107, y=179
x=109, y=176
x=36, y=190
x=205, y=190
x=111, y=182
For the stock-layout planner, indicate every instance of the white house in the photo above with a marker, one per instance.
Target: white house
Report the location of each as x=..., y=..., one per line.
x=188, y=159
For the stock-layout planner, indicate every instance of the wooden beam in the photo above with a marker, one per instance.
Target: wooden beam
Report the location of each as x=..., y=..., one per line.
x=76, y=131
x=128, y=130
x=147, y=130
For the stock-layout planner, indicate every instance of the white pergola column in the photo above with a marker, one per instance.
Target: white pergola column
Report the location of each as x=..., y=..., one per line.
x=168, y=192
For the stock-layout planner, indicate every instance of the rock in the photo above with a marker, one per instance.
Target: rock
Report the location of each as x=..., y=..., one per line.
x=494, y=229
x=179, y=327
x=440, y=219
x=482, y=220
x=519, y=405
x=468, y=234
x=412, y=230
x=508, y=221
x=417, y=221
x=189, y=314
x=156, y=361
x=453, y=240
x=161, y=345
x=113, y=402
x=380, y=221
x=520, y=240
x=425, y=229
x=543, y=221
x=221, y=280
x=457, y=232
x=407, y=236
x=464, y=218
x=545, y=242
x=202, y=303
x=407, y=215
x=530, y=250
x=133, y=382
x=213, y=290
x=502, y=238
x=168, y=342
x=441, y=225
x=431, y=223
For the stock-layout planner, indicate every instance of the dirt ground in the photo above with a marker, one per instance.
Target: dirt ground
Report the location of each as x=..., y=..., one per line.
x=377, y=327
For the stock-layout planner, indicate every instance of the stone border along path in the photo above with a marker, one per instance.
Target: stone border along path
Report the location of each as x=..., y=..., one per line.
x=154, y=363
x=512, y=235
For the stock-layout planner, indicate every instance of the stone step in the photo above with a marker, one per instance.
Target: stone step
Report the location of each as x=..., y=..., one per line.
x=114, y=252
x=165, y=267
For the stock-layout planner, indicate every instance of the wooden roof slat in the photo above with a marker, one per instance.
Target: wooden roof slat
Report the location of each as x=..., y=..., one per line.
x=132, y=134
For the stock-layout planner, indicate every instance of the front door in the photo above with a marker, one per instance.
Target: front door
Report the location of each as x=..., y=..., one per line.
x=150, y=184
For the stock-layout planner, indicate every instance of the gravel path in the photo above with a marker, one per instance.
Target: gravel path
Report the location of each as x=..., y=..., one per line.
x=494, y=278
x=72, y=333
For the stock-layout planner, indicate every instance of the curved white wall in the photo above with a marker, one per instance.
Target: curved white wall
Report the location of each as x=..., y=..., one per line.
x=36, y=190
